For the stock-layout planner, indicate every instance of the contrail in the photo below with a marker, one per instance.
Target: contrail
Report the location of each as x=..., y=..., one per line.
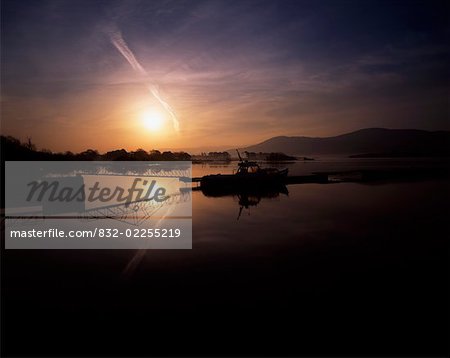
x=120, y=44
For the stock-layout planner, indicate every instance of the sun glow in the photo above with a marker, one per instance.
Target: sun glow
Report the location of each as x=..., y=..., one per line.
x=152, y=120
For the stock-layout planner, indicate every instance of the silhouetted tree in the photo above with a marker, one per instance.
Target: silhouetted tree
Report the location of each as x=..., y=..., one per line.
x=155, y=155
x=13, y=149
x=29, y=145
x=90, y=154
x=121, y=154
x=140, y=154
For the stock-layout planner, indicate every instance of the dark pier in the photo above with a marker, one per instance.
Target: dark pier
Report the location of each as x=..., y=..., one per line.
x=361, y=176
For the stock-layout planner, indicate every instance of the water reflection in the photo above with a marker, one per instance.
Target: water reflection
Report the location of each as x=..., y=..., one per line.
x=247, y=196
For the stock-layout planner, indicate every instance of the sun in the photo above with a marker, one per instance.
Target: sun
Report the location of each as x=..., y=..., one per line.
x=152, y=120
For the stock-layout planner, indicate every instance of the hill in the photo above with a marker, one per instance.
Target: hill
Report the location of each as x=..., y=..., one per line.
x=371, y=142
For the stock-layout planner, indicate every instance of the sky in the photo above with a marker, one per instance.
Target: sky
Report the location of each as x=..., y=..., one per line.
x=150, y=74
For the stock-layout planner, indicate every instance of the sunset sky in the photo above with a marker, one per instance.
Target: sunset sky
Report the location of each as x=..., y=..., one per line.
x=187, y=74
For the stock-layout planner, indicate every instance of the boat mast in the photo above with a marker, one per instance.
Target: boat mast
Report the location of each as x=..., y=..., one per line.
x=239, y=155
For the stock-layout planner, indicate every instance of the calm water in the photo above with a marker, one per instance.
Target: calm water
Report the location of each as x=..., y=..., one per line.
x=330, y=163
x=324, y=269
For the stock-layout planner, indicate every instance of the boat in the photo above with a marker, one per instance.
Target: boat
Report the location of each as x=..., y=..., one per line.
x=248, y=174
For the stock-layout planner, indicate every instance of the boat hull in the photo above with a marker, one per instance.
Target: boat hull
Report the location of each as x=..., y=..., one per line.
x=244, y=180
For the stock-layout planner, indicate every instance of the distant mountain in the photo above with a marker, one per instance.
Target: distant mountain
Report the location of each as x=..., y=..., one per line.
x=370, y=141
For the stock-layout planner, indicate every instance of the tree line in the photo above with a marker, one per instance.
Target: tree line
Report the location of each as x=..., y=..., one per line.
x=13, y=149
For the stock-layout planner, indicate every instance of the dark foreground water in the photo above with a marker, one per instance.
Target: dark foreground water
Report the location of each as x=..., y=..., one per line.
x=337, y=269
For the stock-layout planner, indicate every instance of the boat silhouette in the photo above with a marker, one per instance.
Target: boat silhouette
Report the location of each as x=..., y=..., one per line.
x=248, y=174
